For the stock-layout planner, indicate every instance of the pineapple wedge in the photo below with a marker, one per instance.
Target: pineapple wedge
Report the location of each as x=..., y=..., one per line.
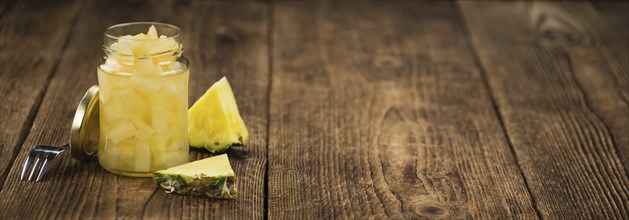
x=214, y=122
x=212, y=177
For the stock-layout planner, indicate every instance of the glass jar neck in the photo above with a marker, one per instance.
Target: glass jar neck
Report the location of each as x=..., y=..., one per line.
x=143, y=40
x=113, y=51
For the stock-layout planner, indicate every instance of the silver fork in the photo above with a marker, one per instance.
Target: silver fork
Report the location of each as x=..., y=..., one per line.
x=41, y=152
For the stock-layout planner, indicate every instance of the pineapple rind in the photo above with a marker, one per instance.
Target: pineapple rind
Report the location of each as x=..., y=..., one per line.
x=213, y=187
x=212, y=177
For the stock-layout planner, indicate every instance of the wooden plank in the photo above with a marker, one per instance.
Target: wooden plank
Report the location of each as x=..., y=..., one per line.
x=557, y=71
x=30, y=48
x=602, y=68
x=221, y=38
x=379, y=111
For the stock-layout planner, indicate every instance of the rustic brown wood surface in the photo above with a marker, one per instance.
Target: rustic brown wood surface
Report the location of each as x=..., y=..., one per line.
x=541, y=67
x=382, y=132
x=371, y=109
x=27, y=66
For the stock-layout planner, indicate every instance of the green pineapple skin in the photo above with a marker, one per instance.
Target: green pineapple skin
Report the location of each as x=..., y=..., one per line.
x=212, y=187
x=221, y=147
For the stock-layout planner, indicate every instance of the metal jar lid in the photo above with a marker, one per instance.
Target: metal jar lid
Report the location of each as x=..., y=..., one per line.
x=84, y=134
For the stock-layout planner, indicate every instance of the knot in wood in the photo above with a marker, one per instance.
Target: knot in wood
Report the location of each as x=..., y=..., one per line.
x=437, y=210
x=429, y=209
x=387, y=62
x=225, y=36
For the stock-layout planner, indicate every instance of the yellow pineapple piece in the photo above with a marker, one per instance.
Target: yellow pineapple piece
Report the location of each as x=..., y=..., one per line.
x=214, y=122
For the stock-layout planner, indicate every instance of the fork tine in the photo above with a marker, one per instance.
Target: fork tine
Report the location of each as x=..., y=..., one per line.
x=30, y=177
x=45, y=166
x=27, y=164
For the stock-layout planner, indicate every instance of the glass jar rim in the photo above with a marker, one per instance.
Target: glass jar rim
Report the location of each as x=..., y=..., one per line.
x=121, y=25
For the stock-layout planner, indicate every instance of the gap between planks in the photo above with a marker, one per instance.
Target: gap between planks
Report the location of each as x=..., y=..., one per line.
x=270, y=25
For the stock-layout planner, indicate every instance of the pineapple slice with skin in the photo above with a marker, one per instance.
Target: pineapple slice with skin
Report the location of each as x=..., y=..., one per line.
x=212, y=177
x=214, y=122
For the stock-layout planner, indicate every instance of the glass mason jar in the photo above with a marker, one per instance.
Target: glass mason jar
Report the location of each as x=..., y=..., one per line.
x=143, y=99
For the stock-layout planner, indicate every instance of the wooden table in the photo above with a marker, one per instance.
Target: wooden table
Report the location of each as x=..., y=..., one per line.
x=485, y=110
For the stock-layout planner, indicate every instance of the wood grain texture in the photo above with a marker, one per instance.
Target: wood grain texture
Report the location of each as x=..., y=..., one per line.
x=221, y=38
x=369, y=110
x=379, y=111
x=601, y=66
x=30, y=48
x=559, y=75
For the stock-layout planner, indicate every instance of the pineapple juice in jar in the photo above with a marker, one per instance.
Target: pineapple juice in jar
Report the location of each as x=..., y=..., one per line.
x=143, y=97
